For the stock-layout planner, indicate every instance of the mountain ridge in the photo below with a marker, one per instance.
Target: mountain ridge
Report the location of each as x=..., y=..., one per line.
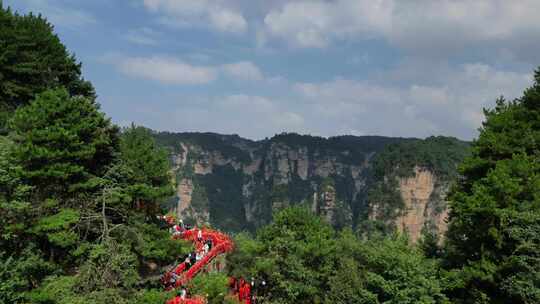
x=237, y=183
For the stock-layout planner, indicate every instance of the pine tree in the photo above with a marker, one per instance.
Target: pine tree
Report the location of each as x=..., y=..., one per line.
x=62, y=144
x=32, y=59
x=150, y=181
x=494, y=233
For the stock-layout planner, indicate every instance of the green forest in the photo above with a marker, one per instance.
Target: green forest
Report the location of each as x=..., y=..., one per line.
x=80, y=196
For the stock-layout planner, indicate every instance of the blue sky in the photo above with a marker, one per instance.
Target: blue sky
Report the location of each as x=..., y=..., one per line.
x=256, y=68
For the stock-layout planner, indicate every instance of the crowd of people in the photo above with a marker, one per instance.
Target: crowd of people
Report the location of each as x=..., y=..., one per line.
x=173, y=277
x=247, y=291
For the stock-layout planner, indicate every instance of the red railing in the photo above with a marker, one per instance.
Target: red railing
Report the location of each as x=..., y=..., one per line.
x=221, y=244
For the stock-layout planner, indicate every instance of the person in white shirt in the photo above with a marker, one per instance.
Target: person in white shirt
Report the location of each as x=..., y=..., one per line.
x=176, y=230
x=183, y=293
x=199, y=235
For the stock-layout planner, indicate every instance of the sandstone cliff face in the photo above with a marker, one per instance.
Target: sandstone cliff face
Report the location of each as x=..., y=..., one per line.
x=424, y=206
x=184, y=208
x=236, y=184
x=418, y=196
x=184, y=192
x=296, y=169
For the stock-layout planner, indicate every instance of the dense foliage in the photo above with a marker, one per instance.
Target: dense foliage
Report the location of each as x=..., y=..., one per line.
x=227, y=145
x=78, y=198
x=440, y=154
x=494, y=235
x=305, y=261
x=358, y=147
x=32, y=59
x=149, y=168
x=213, y=286
x=63, y=143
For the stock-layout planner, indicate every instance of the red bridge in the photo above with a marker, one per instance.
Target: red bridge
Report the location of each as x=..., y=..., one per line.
x=221, y=244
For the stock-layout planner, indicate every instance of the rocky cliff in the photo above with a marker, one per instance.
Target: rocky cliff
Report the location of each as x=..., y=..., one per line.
x=410, y=182
x=423, y=205
x=236, y=184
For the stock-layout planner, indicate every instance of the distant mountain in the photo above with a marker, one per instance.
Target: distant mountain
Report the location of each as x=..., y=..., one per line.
x=236, y=183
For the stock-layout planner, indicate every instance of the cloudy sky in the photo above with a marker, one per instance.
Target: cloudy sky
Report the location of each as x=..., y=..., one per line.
x=321, y=67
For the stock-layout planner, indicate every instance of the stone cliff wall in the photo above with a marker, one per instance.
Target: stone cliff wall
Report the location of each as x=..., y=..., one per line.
x=418, y=195
x=279, y=165
x=424, y=205
x=236, y=184
x=422, y=194
x=184, y=190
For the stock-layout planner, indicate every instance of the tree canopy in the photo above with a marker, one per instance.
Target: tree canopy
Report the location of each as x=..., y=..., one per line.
x=78, y=198
x=62, y=143
x=494, y=240
x=32, y=60
x=305, y=261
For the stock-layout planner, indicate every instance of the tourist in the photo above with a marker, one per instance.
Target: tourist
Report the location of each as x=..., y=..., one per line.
x=247, y=293
x=199, y=235
x=183, y=293
x=192, y=258
x=173, y=279
x=187, y=261
x=176, y=230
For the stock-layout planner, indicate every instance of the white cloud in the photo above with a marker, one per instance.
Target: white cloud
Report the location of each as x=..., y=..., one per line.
x=443, y=27
x=170, y=70
x=288, y=119
x=349, y=91
x=244, y=70
x=448, y=105
x=142, y=36
x=200, y=13
x=317, y=23
x=166, y=70
x=432, y=28
x=240, y=101
x=452, y=107
x=228, y=21
x=264, y=116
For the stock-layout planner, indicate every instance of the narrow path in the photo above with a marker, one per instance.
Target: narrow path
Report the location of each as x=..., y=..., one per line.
x=221, y=244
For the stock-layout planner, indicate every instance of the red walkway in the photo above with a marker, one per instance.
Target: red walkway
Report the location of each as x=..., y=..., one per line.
x=221, y=244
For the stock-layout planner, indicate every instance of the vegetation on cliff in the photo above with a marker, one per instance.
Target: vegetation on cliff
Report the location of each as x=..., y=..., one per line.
x=290, y=168
x=227, y=145
x=345, y=149
x=440, y=155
